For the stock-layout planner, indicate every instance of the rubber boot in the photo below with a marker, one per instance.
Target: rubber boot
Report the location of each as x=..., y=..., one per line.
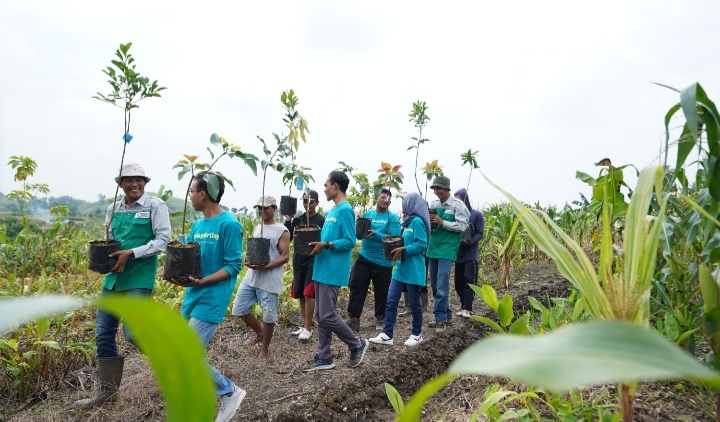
x=424, y=301
x=110, y=372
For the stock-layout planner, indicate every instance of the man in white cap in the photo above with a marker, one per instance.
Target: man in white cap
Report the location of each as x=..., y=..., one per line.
x=264, y=283
x=141, y=224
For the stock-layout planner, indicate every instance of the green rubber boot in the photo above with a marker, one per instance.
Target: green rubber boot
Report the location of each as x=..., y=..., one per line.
x=110, y=372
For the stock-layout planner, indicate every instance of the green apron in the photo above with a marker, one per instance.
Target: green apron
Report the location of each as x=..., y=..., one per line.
x=133, y=229
x=444, y=243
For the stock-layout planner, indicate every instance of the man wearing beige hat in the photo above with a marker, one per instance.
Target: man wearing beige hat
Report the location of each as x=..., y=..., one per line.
x=142, y=226
x=264, y=283
x=449, y=217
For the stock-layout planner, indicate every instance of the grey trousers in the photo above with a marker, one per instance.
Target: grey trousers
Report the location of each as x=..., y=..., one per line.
x=329, y=322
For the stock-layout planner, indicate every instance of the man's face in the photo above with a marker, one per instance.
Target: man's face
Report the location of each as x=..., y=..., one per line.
x=267, y=214
x=383, y=202
x=133, y=186
x=310, y=205
x=442, y=194
x=331, y=190
x=196, y=196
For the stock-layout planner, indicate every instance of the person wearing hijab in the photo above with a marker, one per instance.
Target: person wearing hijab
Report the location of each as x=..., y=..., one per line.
x=466, y=264
x=409, y=273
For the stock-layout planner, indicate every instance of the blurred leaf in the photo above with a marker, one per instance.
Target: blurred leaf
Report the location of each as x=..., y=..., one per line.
x=17, y=311
x=175, y=353
x=583, y=354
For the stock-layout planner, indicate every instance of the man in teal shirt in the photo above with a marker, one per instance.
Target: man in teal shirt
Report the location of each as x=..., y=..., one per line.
x=206, y=299
x=330, y=272
x=371, y=263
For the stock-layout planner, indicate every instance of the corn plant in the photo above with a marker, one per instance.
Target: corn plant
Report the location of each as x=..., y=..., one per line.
x=129, y=87
x=617, y=346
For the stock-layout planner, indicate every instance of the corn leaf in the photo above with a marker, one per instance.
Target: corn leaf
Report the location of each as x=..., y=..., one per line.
x=413, y=408
x=579, y=355
x=175, y=353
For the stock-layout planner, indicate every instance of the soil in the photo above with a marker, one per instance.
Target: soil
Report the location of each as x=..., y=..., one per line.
x=280, y=391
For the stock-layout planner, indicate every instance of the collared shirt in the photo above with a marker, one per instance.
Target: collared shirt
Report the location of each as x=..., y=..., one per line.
x=159, y=218
x=445, y=239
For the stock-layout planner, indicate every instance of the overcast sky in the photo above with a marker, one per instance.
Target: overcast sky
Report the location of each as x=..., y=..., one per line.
x=540, y=89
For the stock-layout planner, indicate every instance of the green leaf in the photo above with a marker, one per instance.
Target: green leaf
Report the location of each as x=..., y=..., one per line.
x=520, y=326
x=586, y=178
x=505, y=310
x=413, y=408
x=583, y=354
x=17, y=311
x=175, y=354
x=215, y=139
x=494, y=325
x=49, y=344
x=213, y=185
x=395, y=398
x=492, y=400
x=489, y=296
x=536, y=304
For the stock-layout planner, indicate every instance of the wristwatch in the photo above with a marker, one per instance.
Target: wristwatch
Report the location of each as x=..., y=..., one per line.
x=327, y=245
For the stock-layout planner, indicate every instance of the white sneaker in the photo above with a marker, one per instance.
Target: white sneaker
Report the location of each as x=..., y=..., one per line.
x=298, y=331
x=464, y=313
x=305, y=335
x=382, y=338
x=413, y=340
x=230, y=404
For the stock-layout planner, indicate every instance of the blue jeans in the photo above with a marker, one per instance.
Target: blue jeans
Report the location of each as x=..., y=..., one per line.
x=106, y=326
x=440, y=283
x=413, y=298
x=205, y=330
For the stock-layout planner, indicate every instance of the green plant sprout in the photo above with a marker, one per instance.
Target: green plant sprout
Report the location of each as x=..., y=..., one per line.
x=418, y=116
x=128, y=88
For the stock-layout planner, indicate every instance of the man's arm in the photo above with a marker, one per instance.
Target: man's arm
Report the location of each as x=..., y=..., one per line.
x=462, y=217
x=479, y=228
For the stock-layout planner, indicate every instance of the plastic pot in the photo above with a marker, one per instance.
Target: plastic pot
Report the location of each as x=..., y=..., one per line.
x=288, y=205
x=98, y=256
x=304, y=235
x=182, y=261
x=362, y=226
x=391, y=243
x=258, y=251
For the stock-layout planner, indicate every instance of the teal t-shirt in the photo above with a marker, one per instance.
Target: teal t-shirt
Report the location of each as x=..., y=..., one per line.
x=372, y=248
x=411, y=268
x=220, y=240
x=332, y=266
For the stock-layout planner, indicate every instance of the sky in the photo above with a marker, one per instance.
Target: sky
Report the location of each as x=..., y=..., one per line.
x=539, y=89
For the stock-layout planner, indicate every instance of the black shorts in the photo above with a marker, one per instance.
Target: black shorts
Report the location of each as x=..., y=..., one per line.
x=302, y=285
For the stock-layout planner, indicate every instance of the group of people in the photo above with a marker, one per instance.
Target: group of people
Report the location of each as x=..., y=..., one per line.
x=432, y=241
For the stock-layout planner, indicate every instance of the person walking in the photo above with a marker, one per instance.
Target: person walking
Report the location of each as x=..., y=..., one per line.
x=142, y=226
x=371, y=264
x=330, y=272
x=207, y=298
x=303, y=288
x=466, y=263
x=451, y=217
x=264, y=283
x=409, y=273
